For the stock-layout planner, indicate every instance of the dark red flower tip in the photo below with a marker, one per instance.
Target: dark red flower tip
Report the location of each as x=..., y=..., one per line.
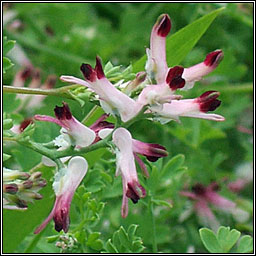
x=10, y=188
x=25, y=124
x=88, y=72
x=208, y=101
x=135, y=191
x=164, y=23
x=26, y=73
x=156, y=151
x=174, y=78
x=61, y=219
x=99, y=69
x=63, y=113
x=213, y=58
x=199, y=189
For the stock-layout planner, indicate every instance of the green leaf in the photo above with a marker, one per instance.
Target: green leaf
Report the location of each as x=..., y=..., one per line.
x=245, y=245
x=94, y=242
x=7, y=64
x=7, y=124
x=7, y=45
x=183, y=41
x=124, y=238
x=161, y=202
x=227, y=238
x=110, y=247
x=210, y=241
x=132, y=230
x=172, y=166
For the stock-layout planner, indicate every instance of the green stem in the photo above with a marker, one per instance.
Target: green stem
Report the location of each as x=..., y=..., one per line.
x=60, y=92
x=37, y=147
x=241, y=88
x=71, y=152
x=151, y=213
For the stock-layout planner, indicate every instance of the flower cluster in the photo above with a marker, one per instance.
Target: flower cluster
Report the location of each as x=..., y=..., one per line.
x=156, y=101
x=19, y=188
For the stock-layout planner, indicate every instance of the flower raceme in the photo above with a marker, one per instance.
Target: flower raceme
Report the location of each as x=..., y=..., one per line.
x=82, y=135
x=111, y=99
x=65, y=184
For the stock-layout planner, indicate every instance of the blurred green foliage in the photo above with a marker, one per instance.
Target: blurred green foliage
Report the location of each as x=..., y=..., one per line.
x=57, y=38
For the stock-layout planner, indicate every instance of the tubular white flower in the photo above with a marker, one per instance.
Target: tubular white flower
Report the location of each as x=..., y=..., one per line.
x=112, y=100
x=126, y=167
x=196, y=108
x=66, y=182
x=82, y=135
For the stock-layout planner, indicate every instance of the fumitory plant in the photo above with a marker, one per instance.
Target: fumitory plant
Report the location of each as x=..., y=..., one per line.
x=81, y=182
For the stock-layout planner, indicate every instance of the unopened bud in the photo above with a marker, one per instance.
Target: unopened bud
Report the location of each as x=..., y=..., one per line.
x=32, y=195
x=27, y=184
x=9, y=175
x=10, y=188
x=140, y=77
x=35, y=175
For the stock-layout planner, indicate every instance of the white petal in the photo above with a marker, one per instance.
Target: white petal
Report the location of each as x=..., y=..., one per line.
x=75, y=80
x=105, y=132
x=68, y=179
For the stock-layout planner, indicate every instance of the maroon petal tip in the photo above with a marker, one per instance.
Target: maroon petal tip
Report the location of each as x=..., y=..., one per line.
x=63, y=112
x=99, y=69
x=199, y=189
x=164, y=23
x=214, y=58
x=135, y=191
x=88, y=72
x=174, y=78
x=25, y=124
x=26, y=73
x=208, y=101
x=61, y=220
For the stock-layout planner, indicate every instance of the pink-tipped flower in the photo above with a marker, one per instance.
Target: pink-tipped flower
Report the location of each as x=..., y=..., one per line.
x=66, y=182
x=126, y=167
x=196, y=72
x=156, y=65
x=196, y=108
x=111, y=99
x=157, y=68
x=203, y=196
x=22, y=76
x=82, y=135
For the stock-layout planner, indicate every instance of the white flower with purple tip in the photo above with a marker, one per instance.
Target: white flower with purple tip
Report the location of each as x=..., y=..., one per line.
x=66, y=182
